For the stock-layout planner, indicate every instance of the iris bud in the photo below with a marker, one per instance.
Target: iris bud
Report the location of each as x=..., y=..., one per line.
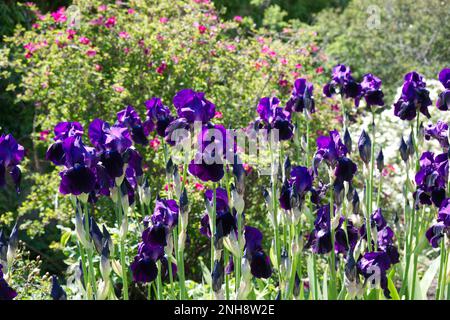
x=107, y=239
x=96, y=235
x=177, y=181
x=217, y=275
x=403, y=150
x=237, y=200
x=239, y=174
x=105, y=266
x=380, y=161
x=338, y=190
x=13, y=245
x=348, y=141
x=57, y=292
x=410, y=144
x=364, y=147
x=287, y=168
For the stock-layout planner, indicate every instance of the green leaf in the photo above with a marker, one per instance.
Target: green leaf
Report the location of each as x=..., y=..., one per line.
x=65, y=238
x=428, y=276
x=391, y=286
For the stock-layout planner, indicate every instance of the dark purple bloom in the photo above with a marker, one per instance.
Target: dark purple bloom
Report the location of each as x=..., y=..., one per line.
x=11, y=154
x=166, y=212
x=444, y=77
x=431, y=178
x=377, y=219
x=6, y=292
x=345, y=241
x=415, y=97
x=158, y=116
x=329, y=148
x=225, y=219
x=443, y=102
x=130, y=119
x=375, y=265
x=345, y=169
x=177, y=131
x=57, y=292
x=435, y=233
x=371, y=90
x=64, y=130
x=301, y=97
x=193, y=106
x=79, y=175
x=106, y=137
x=144, y=267
x=343, y=83
x=295, y=188
x=272, y=116
x=200, y=168
x=259, y=262
x=439, y=131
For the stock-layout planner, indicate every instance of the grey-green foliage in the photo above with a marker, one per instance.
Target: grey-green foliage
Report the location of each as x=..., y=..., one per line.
x=388, y=38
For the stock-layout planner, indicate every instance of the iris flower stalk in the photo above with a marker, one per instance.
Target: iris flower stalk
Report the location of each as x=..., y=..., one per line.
x=274, y=168
x=332, y=294
x=121, y=221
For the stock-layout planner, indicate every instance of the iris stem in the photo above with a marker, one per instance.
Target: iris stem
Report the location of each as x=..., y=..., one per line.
x=212, y=223
x=275, y=211
x=332, y=293
x=85, y=272
x=226, y=260
x=122, y=254
x=89, y=253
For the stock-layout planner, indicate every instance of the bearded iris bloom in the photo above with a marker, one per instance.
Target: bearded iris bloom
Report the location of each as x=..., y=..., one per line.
x=130, y=119
x=63, y=130
x=442, y=226
x=431, y=179
x=11, y=154
x=259, y=262
x=272, y=116
x=343, y=83
x=154, y=240
x=320, y=238
x=296, y=187
x=225, y=219
x=371, y=90
x=302, y=97
x=438, y=131
x=443, y=102
x=331, y=150
x=414, y=97
x=158, y=116
x=193, y=106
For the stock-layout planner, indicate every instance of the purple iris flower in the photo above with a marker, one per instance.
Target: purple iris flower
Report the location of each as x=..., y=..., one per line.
x=225, y=218
x=11, y=154
x=166, y=212
x=375, y=265
x=415, y=97
x=320, y=238
x=438, y=131
x=78, y=177
x=259, y=262
x=144, y=267
x=176, y=131
x=6, y=292
x=63, y=130
x=437, y=231
x=193, y=106
x=164, y=219
x=272, y=116
x=204, y=171
x=296, y=187
x=443, y=102
x=371, y=90
x=301, y=97
x=130, y=119
x=333, y=151
x=343, y=83
x=431, y=179
x=106, y=137
x=158, y=116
